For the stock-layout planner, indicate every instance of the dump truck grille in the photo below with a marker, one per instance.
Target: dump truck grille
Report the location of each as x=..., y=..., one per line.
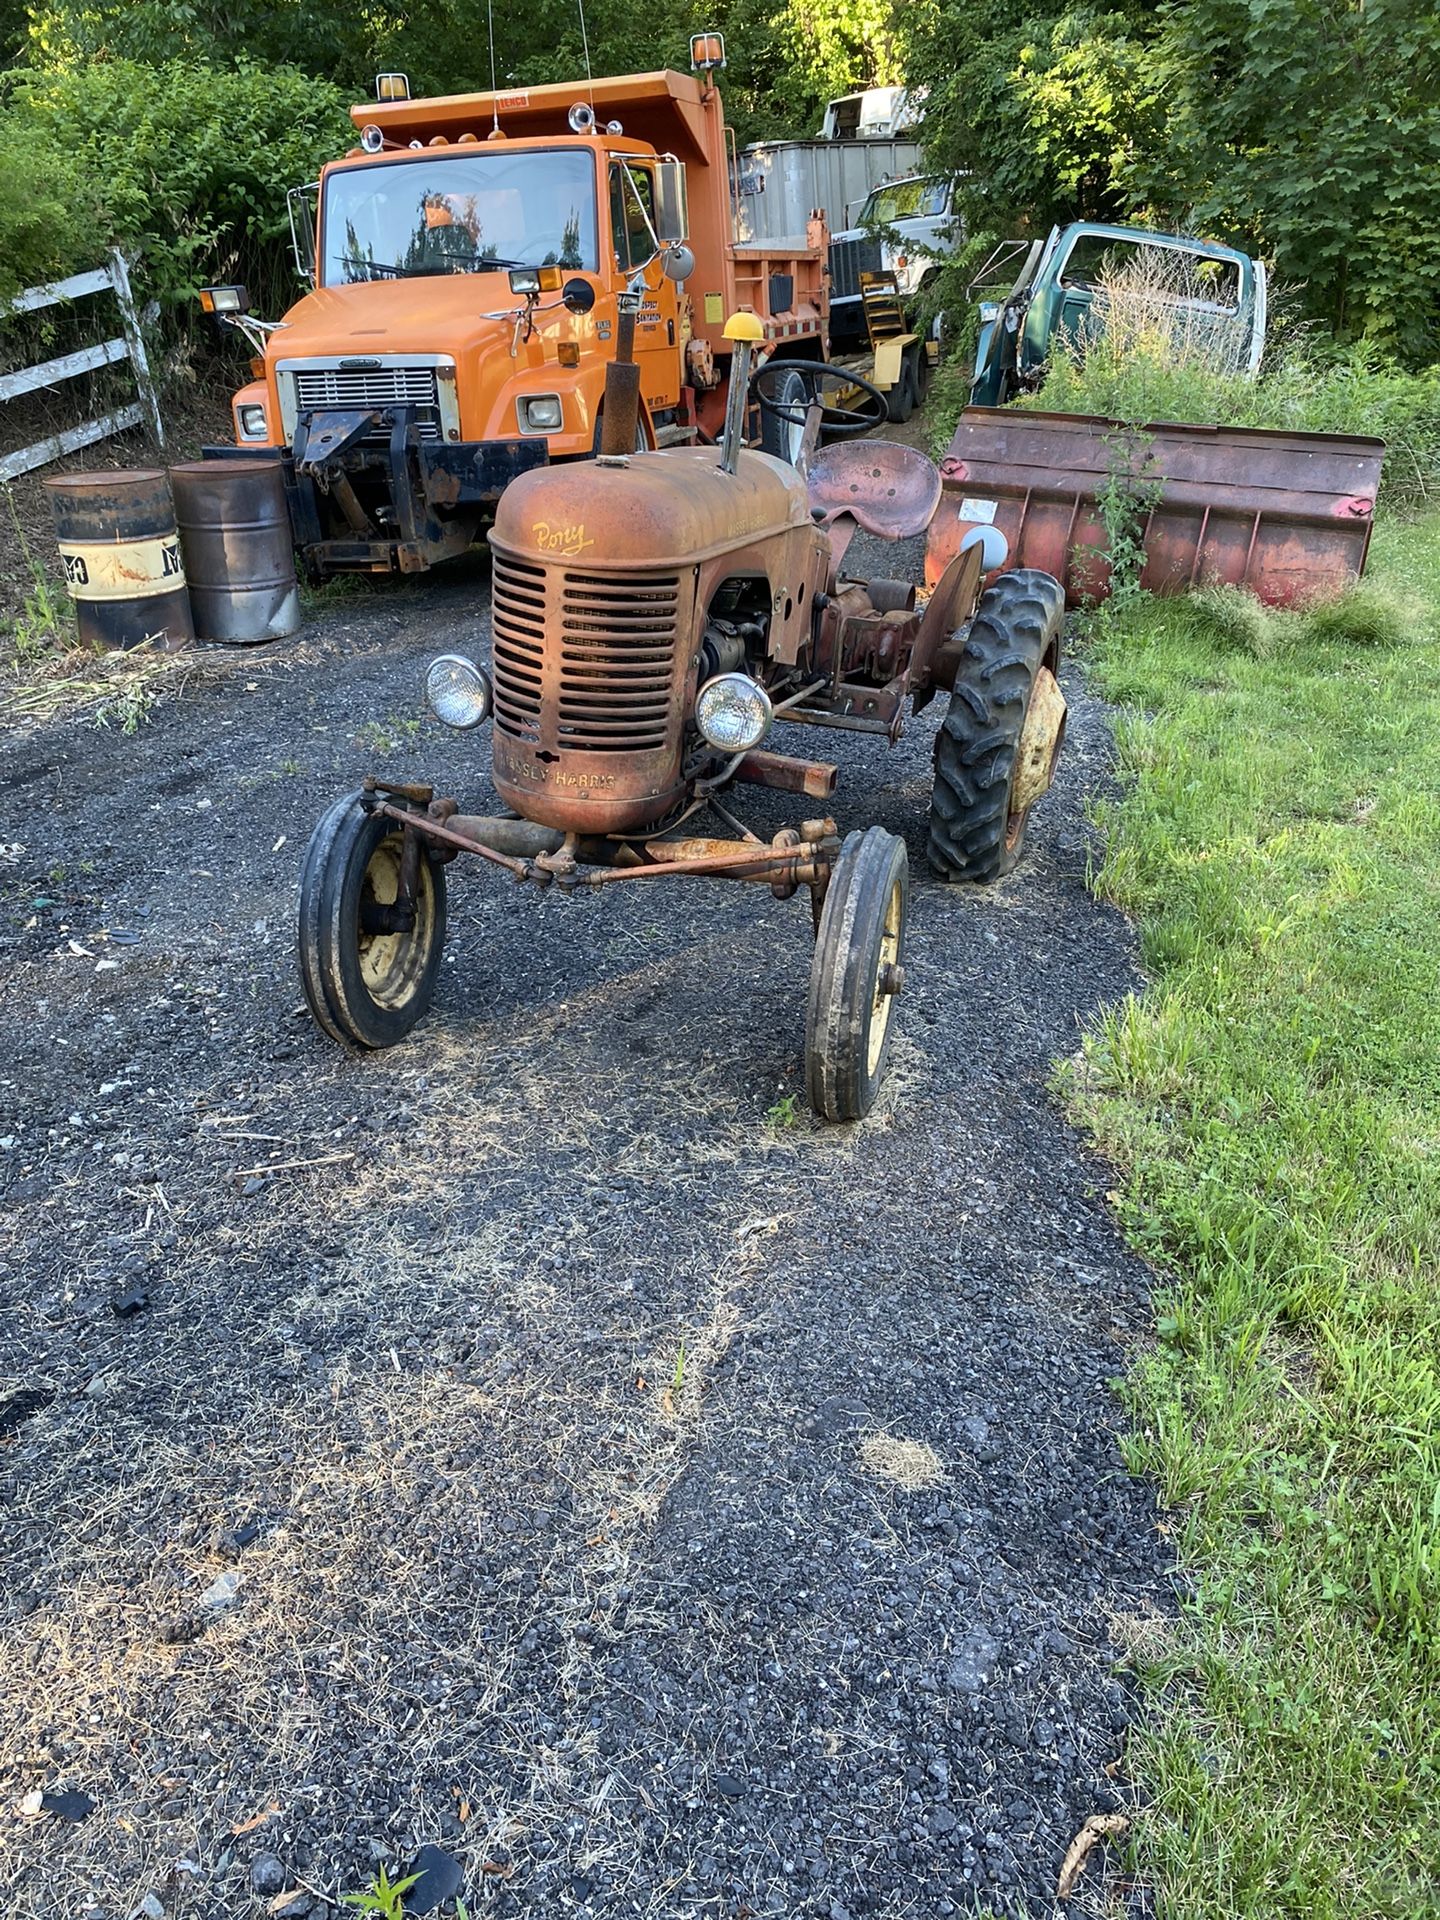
x=848, y=260
x=611, y=684
x=322, y=387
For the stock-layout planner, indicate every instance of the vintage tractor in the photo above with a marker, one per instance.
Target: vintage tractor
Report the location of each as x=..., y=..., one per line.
x=653, y=615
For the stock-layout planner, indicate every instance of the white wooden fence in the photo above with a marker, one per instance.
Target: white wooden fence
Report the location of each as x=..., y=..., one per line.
x=128, y=344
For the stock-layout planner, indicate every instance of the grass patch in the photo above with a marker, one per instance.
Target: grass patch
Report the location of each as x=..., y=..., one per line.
x=1273, y=1101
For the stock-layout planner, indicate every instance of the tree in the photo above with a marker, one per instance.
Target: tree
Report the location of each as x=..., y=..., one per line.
x=1310, y=130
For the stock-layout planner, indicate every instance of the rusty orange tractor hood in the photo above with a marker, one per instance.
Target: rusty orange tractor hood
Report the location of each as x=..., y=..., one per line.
x=441, y=313
x=655, y=509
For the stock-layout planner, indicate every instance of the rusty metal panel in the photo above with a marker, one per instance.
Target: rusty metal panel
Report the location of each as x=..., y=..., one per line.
x=1287, y=515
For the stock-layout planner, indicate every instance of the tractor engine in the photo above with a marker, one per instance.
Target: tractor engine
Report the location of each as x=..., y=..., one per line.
x=603, y=572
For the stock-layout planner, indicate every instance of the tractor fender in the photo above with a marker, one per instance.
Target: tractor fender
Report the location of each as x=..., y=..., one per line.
x=890, y=360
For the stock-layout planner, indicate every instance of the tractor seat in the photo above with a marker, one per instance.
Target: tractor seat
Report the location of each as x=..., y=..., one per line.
x=888, y=489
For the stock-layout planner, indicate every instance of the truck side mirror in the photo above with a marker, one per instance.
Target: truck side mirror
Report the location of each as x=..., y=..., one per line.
x=577, y=295
x=672, y=208
x=300, y=203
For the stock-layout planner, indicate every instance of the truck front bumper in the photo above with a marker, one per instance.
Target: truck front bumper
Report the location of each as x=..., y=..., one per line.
x=363, y=503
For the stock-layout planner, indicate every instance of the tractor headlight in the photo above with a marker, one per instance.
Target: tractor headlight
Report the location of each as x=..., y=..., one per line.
x=540, y=413
x=457, y=691
x=252, y=422
x=733, y=712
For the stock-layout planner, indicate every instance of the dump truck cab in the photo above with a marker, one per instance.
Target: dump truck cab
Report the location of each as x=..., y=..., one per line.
x=467, y=266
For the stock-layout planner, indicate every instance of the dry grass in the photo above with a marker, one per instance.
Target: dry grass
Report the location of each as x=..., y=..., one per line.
x=1160, y=304
x=910, y=1464
x=119, y=690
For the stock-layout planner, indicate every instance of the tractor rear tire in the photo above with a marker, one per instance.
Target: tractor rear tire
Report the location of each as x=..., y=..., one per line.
x=976, y=829
x=366, y=988
x=856, y=974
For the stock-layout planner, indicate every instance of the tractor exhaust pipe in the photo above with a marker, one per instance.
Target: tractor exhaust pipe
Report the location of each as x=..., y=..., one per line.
x=621, y=420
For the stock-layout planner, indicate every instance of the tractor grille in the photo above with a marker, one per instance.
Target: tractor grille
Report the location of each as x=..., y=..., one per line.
x=517, y=598
x=614, y=691
x=848, y=260
x=322, y=387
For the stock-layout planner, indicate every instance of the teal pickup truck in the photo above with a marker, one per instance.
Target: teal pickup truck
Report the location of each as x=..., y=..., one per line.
x=1213, y=289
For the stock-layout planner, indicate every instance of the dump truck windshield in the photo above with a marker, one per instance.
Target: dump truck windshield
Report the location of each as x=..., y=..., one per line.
x=477, y=213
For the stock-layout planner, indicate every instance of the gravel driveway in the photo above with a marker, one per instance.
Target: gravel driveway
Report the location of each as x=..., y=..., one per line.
x=571, y=1455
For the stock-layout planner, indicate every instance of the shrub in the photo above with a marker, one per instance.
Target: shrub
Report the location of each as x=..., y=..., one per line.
x=187, y=164
x=45, y=221
x=1152, y=362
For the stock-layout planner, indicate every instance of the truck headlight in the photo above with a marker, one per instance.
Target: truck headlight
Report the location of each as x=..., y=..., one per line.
x=540, y=413
x=457, y=692
x=733, y=712
x=252, y=422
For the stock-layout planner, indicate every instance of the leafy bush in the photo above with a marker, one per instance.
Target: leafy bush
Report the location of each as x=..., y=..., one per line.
x=1148, y=355
x=41, y=193
x=187, y=164
x=1301, y=392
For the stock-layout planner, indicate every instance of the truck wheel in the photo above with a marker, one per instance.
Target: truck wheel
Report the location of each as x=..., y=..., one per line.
x=783, y=437
x=642, y=445
x=857, y=971
x=1001, y=735
x=901, y=400
x=366, y=984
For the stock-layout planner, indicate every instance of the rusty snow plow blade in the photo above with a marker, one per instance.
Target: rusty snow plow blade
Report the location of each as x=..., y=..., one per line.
x=1287, y=515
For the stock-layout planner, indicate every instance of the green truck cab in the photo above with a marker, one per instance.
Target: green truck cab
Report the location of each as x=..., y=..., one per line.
x=1215, y=290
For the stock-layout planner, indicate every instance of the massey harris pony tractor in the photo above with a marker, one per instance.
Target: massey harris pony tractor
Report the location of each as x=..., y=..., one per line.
x=654, y=614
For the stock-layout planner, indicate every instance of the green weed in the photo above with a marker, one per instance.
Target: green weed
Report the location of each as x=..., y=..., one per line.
x=42, y=626
x=389, y=735
x=385, y=1898
x=784, y=1113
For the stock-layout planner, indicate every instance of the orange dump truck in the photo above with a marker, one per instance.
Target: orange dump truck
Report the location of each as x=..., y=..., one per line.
x=469, y=265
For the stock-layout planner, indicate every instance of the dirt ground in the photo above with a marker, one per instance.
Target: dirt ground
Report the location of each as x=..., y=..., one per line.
x=542, y=1440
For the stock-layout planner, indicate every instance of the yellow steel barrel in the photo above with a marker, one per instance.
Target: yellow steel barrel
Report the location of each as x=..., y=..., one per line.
x=121, y=554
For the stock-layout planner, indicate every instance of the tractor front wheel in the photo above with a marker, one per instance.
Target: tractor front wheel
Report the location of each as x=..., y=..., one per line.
x=1000, y=738
x=857, y=971
x=368, y=975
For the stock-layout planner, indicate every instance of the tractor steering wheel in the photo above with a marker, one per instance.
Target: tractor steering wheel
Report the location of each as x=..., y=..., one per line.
x=840, y=423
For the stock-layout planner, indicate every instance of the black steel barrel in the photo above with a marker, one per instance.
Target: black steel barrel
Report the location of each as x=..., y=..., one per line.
x=121, y=554
x=238, y=547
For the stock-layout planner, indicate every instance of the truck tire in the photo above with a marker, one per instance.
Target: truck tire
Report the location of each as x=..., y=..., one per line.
x=782, y=437
x=642, y=444
x=902, y=398
x=976, y=830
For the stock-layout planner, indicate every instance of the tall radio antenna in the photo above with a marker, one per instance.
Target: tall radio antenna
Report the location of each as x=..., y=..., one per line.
x=585, y=43
x=494, y=96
